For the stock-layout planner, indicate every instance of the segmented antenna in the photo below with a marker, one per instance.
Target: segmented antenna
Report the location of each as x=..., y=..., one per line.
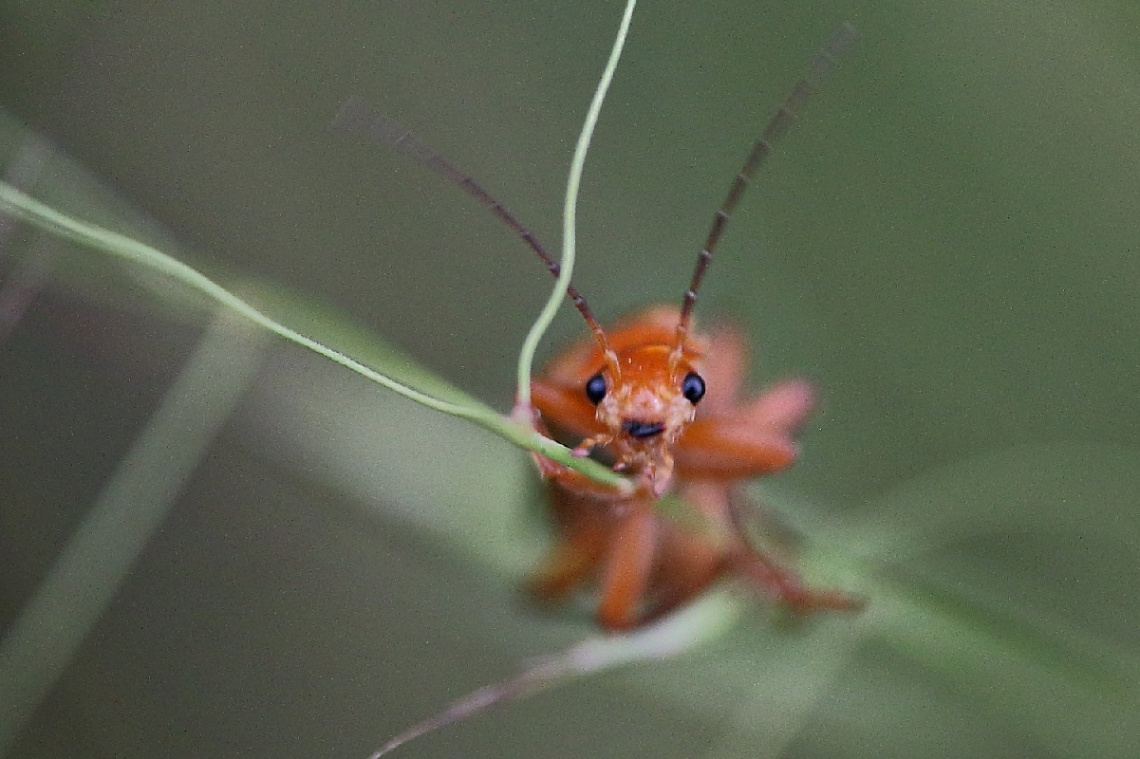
x=843, y=38
x=358, y=118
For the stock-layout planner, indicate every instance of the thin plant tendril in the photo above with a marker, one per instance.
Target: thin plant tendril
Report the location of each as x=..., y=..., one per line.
x=569, y=214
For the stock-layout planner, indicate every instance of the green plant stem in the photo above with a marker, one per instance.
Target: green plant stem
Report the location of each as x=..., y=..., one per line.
x=569, y=217
x=120, y=246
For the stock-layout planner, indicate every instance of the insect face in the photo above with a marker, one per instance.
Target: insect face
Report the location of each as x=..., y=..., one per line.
x=644, y=402
x=635, y=396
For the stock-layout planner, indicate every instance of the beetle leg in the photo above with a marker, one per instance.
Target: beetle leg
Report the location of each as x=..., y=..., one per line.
x=552, y=471
x=784, y=406
x=787, y=586
x=753, y=440
x=770, y=575
x=564, y=569
x=694, y=564
x=583, y=526
x=628, y=568
x=575, y=481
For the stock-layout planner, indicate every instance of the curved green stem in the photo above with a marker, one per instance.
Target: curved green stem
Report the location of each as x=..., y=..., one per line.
x=569, y=218
x=120, y=246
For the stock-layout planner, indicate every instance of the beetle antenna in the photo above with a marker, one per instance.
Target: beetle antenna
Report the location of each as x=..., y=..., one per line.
x=843, y=38
x=358, y=118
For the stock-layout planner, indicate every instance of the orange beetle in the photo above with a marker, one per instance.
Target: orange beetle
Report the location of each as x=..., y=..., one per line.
x=639, y=396
x=659, y=401
x=647, y=563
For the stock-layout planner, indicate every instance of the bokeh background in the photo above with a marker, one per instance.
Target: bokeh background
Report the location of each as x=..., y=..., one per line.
x=946, y=243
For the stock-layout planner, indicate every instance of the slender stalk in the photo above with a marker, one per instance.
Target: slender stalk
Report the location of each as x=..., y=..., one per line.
x=569, y=219
x=120, y=246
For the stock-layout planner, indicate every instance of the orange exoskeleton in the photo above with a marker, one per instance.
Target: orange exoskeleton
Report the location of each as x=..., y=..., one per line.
x=647, y=564
x=658, y=400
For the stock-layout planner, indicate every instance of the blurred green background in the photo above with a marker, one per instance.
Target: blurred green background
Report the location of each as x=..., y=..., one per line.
x=946, y=243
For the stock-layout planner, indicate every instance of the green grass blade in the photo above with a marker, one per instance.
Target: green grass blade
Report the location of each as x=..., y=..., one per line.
x=76, y=591
x=132, y=251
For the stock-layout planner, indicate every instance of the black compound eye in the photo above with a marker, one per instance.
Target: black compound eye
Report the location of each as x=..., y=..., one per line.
x=596, y=388
x=692, y=387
